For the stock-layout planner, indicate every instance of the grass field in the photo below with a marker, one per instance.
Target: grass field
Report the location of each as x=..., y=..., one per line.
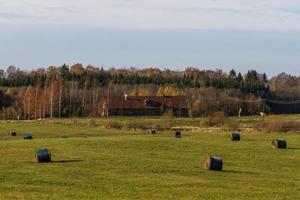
x=99, y=163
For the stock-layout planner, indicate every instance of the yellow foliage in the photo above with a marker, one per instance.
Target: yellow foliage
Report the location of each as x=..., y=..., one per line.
x=11, y=91
x=134, y=92
x=138, y=91
x=169, y=91
x=144, y=92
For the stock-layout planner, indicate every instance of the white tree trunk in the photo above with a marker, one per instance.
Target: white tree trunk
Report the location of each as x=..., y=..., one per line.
x=44, y=101
x=51, y=101
x=59, y=101
x=36, y=101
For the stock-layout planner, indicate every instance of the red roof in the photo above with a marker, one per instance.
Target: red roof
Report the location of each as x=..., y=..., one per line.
x=138, y=102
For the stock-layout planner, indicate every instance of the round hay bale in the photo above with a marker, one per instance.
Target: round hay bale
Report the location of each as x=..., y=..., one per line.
x=152, y=131
x=178, y=134
x=43, y=156
x=213, y=163
x=13, y=133
x=27, y=136
x=279, y=144
x=235, y=137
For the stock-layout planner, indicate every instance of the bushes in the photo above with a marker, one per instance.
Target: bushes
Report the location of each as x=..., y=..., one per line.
x=233, y=125
x=137, y=126
x=221, y=120
x=92, y=123
x=114, y=125
x=217, y=119
x=283, y=126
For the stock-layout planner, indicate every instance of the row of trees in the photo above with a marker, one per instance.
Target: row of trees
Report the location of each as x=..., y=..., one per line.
x=90, y=76
x=69, y=91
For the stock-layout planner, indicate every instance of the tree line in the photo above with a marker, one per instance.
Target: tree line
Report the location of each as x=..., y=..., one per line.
x=78, y=91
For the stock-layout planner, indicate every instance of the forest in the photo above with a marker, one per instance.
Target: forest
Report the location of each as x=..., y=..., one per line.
x=79, y=91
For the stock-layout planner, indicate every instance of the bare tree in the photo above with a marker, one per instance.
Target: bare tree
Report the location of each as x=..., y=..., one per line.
x=60, y=97
x=51, y=100
x=84, y=98
x=36, y=100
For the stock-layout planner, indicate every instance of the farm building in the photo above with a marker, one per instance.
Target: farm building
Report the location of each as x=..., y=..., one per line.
x=145, y=105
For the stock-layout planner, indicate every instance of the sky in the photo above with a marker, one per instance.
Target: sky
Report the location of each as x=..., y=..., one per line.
x=208, y=34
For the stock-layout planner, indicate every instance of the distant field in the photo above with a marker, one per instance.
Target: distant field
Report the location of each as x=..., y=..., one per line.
x=100, y=163
x=128, y=122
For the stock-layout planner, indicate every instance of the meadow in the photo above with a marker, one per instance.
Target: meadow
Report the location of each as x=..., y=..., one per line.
x=96, y=162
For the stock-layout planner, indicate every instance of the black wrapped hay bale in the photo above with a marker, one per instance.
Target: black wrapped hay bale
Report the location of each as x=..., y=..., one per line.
x=152, y=131
x=235, y=137
x=178, y=134
x=27, y=136
x=279, y=144
x=43, y=156
x=13, y=133
x=213, y=163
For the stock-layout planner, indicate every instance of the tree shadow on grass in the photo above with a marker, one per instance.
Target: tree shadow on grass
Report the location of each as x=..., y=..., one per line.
x=57, y=161
x=65, y=161
x=293, y=148
x=248, y=140
x=240, y=172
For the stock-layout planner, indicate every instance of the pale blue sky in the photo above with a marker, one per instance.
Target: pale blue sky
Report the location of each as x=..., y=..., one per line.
x=225, y=34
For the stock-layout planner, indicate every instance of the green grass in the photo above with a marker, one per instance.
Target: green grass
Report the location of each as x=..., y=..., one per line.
x=98, y=163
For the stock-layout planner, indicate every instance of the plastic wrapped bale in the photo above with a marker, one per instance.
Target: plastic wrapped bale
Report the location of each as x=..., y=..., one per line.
x=213, y=163
x=178, y=134
x=152, y=131
x=43, y=156
x=235, y=137
x=27, y=136
x=13, y=133
x=279, y=144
